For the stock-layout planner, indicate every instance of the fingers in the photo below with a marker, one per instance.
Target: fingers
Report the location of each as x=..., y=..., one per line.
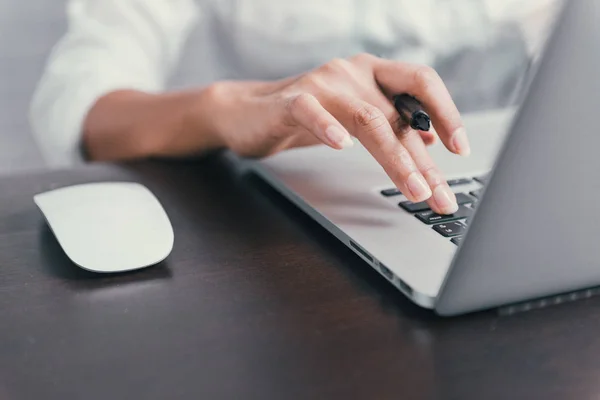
x=368, y=114
x=379, y=100
x=443, y=200
x=429, y=137
x=426, y=85
x=370, y=125
x=306, y=111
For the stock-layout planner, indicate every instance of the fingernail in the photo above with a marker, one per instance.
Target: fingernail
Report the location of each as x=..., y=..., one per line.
x=445, y=199
x=461, y=142
x=418, y=187
x=339, y=137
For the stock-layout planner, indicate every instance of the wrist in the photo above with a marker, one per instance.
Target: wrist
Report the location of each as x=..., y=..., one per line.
x=185, y=123
x=211, y=118
x=234, y=109
x=207, y=114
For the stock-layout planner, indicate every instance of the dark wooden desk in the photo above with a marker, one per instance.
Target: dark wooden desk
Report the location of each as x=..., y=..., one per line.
x=255, y=302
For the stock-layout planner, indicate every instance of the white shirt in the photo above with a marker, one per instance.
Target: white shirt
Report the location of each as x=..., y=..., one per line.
x=140, y=44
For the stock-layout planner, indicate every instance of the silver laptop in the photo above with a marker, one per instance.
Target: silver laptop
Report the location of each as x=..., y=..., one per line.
x=529, y=223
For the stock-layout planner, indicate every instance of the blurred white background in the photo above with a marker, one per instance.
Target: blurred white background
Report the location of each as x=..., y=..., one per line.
x=28, y=30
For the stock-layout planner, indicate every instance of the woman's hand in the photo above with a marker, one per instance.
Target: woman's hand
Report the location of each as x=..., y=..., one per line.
x=330, y=104
x=345, y=98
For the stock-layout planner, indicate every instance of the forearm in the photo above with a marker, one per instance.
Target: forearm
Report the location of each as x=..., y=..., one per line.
x=131, y=124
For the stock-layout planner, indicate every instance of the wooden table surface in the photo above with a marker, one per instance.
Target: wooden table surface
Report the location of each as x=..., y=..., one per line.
x=256, y=301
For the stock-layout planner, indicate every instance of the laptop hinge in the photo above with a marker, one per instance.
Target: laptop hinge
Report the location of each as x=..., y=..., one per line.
x=547, y=301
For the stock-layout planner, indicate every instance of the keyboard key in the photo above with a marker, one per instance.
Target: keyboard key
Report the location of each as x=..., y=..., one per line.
x=414, y=207
x=429, y=217
x=483, y=179
x=477, y=193
x=451, y=229
x=472, y=205
x=459, y=181
x=457, y=240
x=391, y=192
x=409, y=206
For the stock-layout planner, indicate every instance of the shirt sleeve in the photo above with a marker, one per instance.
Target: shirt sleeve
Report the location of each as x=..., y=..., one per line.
x=109, y=45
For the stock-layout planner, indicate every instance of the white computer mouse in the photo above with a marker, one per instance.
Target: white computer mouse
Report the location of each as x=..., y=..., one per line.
x=108, y=227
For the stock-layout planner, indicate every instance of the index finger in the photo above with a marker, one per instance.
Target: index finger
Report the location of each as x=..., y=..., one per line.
x=426, y=85
x=369, y=124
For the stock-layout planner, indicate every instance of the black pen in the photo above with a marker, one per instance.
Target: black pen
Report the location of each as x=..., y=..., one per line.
x=411, y=112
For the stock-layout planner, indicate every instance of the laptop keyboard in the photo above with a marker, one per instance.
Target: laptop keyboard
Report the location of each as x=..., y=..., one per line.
x=452, y=182
x=451, y=226
x=476, y=193
x=409, y=206
x=456, y=240
x=429, y=217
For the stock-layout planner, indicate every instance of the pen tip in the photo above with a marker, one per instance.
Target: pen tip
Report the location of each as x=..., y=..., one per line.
x=420, y=121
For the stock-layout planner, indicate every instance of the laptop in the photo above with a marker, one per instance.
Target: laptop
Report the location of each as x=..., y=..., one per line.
x=528, y=227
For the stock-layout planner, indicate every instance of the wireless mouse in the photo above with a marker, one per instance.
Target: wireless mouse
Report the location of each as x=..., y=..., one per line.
x=108, y=227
